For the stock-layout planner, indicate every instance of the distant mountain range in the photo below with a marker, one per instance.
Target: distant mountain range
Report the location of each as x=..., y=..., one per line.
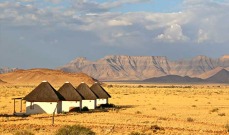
x=114, y=68
x=174, y=79
x=132, y=68
x=220, y=77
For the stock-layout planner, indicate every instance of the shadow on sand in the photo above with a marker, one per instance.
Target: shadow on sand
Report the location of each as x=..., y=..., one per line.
x=22, y=115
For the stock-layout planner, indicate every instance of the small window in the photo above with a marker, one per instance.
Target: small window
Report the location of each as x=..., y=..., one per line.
x=31, y=105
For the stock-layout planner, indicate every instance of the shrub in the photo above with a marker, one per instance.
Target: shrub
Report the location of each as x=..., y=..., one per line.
x=75, y=130
x=110, y=86
x=222, y=114
x=227, y=127
x=156, y=128
x=138, y=112
x=106, y=106
x=189, y=119
x=193, y=105
x=136, y=133
x=154, y=108
x=85, y=109
x=24, y=132
x=215, y=110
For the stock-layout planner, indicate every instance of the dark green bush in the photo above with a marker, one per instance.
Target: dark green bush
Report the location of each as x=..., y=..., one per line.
x=85, y=108
x=75, y=130
x=24, y=132
x=106, y=106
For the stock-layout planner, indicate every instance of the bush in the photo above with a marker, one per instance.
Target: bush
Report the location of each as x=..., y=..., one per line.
x=222, y=114
x=138, y=112
x=136, y=133
x=215, y=110
x=227, y=127
x=189, y=119
x=85, y=109
x=24, y=132
x=106, y=106
x=110, y=86
x=156, y=128
x=75, y=130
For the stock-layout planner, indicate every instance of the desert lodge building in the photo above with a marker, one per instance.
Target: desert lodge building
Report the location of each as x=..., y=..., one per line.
x=45, y=99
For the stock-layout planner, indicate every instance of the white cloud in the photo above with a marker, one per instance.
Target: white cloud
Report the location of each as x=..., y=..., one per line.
x=119, y=23
x=172, y=34
x=117, y=3
x=77, y=24
x=202, y=36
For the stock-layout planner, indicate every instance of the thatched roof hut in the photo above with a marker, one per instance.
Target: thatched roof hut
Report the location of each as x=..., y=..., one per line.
x=69, y=92
x=100, y=91
x=86, y=92
x=44, y=92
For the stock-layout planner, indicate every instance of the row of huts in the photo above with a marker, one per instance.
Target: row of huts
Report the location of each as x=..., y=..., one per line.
x=45, y=99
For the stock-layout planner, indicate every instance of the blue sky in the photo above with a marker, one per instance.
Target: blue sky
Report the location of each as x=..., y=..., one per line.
x=50, y=33
x=153, y=6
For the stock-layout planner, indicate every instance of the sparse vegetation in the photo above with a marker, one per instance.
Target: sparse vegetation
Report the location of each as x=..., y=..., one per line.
x=138, y=112
x=106, y=106
x=75, y=130
x=221, y=114
x=154, y=108
x=215, y=110
x=134, y=111
x=24, y=132
x=189, y=119
x=156, y=128
x=227, y=127
x=137, y=133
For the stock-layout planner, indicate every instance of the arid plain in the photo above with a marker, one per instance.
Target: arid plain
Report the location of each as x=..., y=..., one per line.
x=142, y=108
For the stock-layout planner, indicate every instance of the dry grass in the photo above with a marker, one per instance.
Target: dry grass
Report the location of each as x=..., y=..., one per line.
x=140, y=109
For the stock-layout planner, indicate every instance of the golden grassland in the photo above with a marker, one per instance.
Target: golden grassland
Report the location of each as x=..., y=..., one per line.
x=146, y=108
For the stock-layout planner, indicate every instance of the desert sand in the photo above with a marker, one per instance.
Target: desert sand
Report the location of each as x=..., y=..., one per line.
x=149, y=109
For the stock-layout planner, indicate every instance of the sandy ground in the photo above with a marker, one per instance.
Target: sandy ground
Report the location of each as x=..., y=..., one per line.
x=149, y=109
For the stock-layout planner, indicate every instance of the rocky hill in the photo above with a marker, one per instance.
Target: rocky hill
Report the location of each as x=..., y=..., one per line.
x=35, y=76
x=174, y=79
x=221, y=77
x=142, y=67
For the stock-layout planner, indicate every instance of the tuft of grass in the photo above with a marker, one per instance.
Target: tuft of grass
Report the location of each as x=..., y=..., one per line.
x=136, y=133
x=227, y=127
x=221, y=114
x=138, y=112
x=189, y=119
x=154, y=108
x=24, y=132
x=214, y=110
x=75, y=130
x=193, y=105
x=156, y=128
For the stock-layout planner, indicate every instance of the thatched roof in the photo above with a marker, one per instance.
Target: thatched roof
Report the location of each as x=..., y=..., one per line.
x=99, y=91
x=44, y=92
x=86, y=92
x=69, y=92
